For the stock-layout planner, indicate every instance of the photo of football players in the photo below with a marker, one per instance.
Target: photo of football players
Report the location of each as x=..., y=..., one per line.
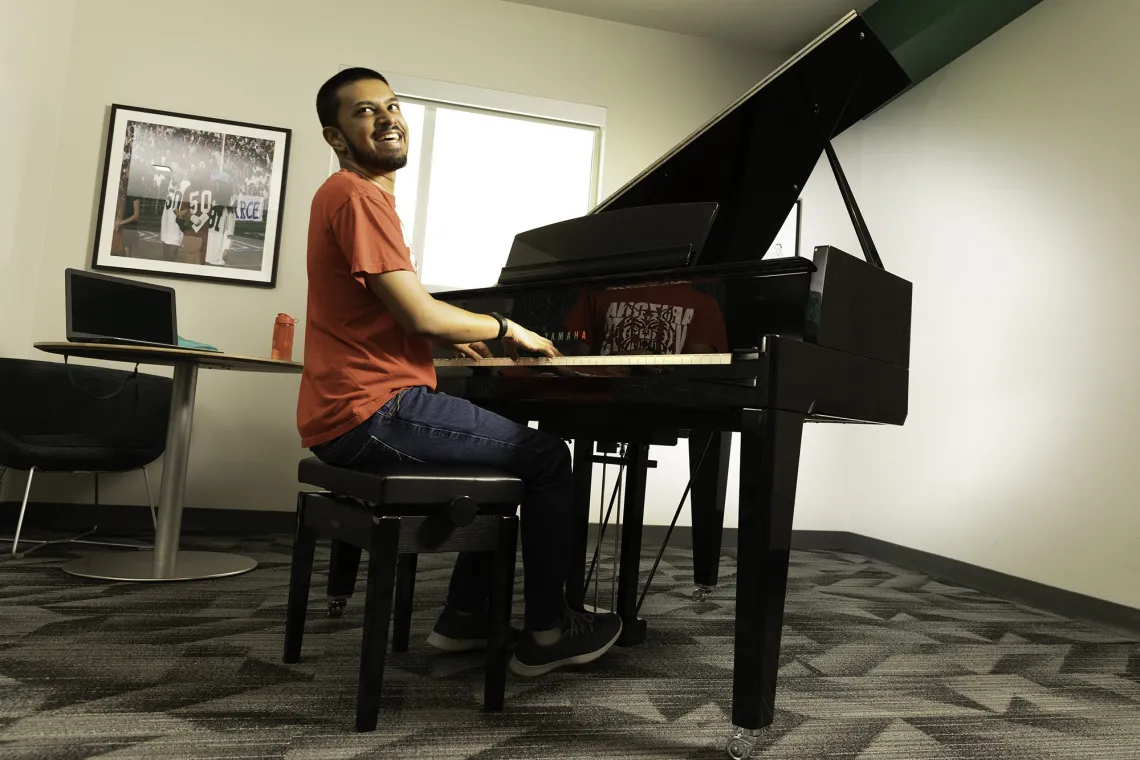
x=193, y=196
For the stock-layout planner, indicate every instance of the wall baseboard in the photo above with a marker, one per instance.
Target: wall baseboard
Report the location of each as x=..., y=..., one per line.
x=1051, y=599
x=117, y=520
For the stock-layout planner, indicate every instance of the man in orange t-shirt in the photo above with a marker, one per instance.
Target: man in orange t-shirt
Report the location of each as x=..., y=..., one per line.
x=368, y=394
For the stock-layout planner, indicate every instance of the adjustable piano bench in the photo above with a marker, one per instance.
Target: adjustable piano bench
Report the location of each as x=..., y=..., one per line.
x=395, y=514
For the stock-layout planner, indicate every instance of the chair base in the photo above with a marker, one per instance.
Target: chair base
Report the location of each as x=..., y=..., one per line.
x=39, y=544
x=80, y=539
x=139, y=566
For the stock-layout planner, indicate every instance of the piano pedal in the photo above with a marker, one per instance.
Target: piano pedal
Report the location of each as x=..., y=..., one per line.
x=702, y=592
x=741, y=743
x=336, y=606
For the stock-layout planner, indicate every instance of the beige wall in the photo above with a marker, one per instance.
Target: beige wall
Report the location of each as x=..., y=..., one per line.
x=1006, y=188
x=32, y=78
x=34, y=54
x=263, y=65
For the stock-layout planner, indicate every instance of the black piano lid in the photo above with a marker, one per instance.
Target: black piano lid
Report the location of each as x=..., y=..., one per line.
x=754, y=158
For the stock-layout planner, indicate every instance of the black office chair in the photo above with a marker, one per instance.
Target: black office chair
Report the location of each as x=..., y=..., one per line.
x=57, y=417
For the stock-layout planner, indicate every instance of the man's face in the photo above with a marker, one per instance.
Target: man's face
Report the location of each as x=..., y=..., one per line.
x=375, y=134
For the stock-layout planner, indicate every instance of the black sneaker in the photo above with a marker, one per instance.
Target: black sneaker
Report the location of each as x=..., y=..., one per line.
x=585, y=638
x=463, y=632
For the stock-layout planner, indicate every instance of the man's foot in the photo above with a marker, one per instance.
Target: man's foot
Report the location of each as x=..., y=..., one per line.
x=584, y=638
x=457, y=631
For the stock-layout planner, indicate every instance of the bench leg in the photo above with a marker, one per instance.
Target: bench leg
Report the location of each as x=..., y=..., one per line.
x=344, y=565
x=499, y=614
x=304, y=546
x=383, y=551
x=405, y=587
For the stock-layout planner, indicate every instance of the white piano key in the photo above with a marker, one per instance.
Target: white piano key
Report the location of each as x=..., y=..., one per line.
x=591, y=361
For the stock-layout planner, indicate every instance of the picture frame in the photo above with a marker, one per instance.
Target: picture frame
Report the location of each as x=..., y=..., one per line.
x=191, y=197
x=787, y=241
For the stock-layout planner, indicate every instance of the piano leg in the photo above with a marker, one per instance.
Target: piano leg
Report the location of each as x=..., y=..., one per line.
x=583, y=481
x=629, y=567
x=769, y=459
x=709, y=485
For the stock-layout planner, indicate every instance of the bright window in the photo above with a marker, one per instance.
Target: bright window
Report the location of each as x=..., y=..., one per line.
x=408, y=178
x=484, y=165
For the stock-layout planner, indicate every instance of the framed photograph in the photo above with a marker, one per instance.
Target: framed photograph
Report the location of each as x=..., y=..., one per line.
x=787, y=242
x=191, y=196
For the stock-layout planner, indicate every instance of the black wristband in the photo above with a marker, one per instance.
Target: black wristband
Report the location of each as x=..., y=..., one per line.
x=502, y=324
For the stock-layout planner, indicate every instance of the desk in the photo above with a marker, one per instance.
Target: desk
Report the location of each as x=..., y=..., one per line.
x=165, y=562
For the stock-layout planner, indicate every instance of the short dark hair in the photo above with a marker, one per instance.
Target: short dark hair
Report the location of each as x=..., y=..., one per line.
x=328, y=101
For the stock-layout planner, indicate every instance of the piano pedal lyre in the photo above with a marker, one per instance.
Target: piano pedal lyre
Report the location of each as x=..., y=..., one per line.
x=604, y=448
x=617, y=531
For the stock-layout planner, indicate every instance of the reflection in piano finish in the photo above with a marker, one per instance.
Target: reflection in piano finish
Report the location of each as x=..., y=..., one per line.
x=711, y=343
x=673, y=326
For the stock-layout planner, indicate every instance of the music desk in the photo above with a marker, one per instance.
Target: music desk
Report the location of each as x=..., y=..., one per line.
x=165, y=562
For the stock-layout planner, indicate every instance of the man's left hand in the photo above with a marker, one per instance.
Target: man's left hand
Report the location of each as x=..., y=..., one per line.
x=476, y=350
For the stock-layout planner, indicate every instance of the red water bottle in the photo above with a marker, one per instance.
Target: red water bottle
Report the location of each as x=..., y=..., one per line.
x=283, y=338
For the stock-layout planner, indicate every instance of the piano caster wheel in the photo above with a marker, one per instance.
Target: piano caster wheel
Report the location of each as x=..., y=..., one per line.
x=741, y=742
x=336, y=607
x=701, y=593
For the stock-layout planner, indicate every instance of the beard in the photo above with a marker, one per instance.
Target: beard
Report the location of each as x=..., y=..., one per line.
x=375, y=163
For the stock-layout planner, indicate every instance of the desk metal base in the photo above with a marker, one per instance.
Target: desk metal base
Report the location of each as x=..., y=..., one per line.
x=167, y=562
x=139, y=566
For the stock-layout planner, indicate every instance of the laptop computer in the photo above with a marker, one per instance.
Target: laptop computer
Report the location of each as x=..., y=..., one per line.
x=105, y=309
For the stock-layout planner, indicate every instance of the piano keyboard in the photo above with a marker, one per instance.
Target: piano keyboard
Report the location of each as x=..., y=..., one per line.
x=590, y=361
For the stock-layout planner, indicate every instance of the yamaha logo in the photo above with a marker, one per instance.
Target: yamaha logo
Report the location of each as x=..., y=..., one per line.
x=566, y=335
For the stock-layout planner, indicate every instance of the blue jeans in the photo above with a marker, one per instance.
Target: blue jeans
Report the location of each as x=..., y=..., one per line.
x=420, y=425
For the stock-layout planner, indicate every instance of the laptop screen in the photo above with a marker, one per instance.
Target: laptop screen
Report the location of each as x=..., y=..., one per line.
x=99, y=306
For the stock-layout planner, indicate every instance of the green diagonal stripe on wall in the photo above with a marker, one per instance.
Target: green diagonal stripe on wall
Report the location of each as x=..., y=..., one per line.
x=926, y=35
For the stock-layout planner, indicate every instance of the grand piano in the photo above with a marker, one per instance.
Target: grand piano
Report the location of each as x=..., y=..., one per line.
x=674, y=325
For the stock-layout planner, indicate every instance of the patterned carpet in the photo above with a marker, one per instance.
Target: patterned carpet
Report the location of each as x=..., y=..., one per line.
x=879, y=664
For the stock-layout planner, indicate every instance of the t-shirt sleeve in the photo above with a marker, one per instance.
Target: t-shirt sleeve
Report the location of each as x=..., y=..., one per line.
x=369, y=235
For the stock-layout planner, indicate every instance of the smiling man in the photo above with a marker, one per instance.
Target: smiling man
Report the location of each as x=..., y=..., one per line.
x=368, y=395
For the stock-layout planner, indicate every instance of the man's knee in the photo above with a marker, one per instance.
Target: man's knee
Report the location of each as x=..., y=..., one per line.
x=556, y=458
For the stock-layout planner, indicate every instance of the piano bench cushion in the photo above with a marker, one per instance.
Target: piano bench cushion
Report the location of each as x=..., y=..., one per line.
x=413, y=484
